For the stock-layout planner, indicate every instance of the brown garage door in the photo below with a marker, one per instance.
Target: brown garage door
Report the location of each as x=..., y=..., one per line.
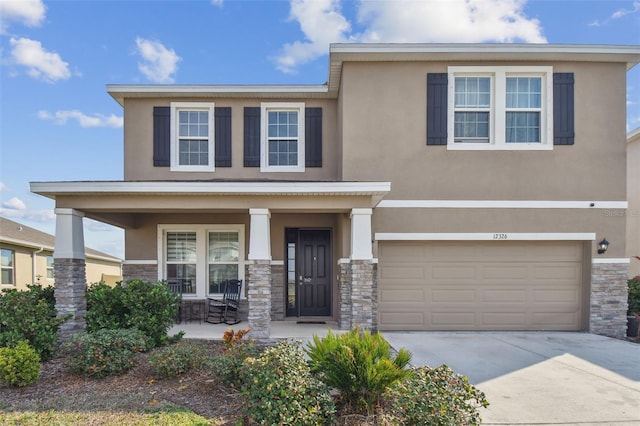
x=480, y=285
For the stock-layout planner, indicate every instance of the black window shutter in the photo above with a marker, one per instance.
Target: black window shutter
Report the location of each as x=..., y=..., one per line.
x=161, y=136
x=223, y=136
x=252, y=136
x=437, y=109
x=313, y=137
x=563, y=109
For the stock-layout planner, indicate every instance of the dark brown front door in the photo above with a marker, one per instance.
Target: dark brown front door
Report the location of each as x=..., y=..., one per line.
x=313, y=274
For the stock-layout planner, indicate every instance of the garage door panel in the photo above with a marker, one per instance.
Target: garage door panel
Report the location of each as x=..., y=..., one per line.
x=504, y=296
x=480, y=285
x=403, y=272
x=557, y=272
x=409, y=295
x=459, y=296
x=452, y=272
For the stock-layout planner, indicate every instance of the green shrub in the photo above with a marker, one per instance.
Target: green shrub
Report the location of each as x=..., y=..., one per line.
x=227, y=366
x=105, y=308
x=280, y=390
x=634, y=296
x=359, y=364
x=171, y=361
x=436, y=396
x=29, y=315
x=148, y=306
x=19, y=366
x=104, y=352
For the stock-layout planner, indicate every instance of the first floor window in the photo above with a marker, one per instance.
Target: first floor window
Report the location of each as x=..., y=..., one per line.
x=192, y=136
x=224, y=258
x=201, y=259
x=500, y=107
x=50, y=267
x=282, y=137
x=7, y=266
x=181, y=260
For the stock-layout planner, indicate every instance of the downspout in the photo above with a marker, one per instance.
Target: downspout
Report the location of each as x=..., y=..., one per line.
x=33, y=264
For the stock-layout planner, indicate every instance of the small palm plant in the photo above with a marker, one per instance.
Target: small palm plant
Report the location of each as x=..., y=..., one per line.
x=359, y=365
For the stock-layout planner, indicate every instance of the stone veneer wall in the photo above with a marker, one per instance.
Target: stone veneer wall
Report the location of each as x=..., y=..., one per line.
x=277, y=293
x=146, y=272
x=609, y=292
x=364, y=288
x=344, y=294
x=70, y=288
x=258, y=278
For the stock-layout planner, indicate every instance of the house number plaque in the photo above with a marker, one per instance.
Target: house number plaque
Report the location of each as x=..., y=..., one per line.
x=500, y=236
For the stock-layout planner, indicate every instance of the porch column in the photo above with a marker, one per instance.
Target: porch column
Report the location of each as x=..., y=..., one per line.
x=364, y=272
x=259, y=274
x=69, y=271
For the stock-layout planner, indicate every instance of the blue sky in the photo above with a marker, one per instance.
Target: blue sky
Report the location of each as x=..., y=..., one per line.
x=57, y=121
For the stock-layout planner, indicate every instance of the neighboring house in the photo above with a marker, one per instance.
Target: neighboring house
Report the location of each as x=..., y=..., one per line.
x=423, y=187
x=27, y=258
x=633, y=196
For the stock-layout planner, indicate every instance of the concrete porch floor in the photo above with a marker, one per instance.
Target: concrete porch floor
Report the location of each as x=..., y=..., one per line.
x=279, y=330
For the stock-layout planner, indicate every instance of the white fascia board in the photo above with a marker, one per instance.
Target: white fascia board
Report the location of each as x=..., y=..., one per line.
x=24, y=243
x=484, y=236
x=481, y=47
x=190, y=187
x=502, y=204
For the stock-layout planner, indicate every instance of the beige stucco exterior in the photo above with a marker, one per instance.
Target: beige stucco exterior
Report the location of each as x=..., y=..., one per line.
x=374, y=130
x=633, y=196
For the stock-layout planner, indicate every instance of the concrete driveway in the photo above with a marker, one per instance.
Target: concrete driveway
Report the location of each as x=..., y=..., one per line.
x=539, y=378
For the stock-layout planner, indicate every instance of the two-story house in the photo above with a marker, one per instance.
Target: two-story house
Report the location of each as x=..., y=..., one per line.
x=423, y=187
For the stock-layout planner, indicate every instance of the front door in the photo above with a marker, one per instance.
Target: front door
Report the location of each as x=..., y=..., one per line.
x=312, y=292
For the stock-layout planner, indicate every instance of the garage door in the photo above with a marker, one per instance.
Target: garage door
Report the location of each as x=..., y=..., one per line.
x=480, y=285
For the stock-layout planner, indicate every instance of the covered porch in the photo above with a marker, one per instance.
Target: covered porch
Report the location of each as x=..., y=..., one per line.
x=263, y=216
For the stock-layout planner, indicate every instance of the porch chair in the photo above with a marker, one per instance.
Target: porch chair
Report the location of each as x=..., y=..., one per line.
x=175, y=287
x=225, y=310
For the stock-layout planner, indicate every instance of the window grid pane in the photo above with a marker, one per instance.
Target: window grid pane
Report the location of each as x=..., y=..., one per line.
x=181, y=247
x=282, y=131
x=49, y=266
x=194, y=152
x=6, y=264
x=472, y=92
x=472, y=126
x=223, y=258
x=523, y=127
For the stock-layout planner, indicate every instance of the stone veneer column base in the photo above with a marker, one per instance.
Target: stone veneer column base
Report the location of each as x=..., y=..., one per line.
x=609, y=292
x=138, y=271
x=278, y=297
x=70, y=288
x=259, y=295
x=364, y=294
x=344, y=294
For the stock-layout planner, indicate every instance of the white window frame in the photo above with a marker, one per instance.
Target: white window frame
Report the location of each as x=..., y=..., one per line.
x=176, y=107
x=12, y=268
x=497, y=115
x=265, y=108
x=202, y=246
x=52, y=268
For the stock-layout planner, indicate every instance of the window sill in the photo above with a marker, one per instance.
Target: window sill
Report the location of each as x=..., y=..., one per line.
x=295, y=169
x=501, y=147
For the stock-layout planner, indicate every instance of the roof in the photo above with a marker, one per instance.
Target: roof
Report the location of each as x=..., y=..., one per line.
x=22, y=235
x=377, y=52
x=633, y=135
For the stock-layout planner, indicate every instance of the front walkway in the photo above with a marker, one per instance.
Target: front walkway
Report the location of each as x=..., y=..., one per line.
x=279, y=330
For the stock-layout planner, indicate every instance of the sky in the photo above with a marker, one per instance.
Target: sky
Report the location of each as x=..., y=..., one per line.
x=58, y=123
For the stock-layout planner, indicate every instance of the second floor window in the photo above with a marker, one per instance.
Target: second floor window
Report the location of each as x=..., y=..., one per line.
x=7, y=266
x=500, y=108
x=282, y=137
x=192, y=136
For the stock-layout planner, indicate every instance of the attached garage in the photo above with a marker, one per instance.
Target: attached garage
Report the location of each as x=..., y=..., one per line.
x=482, y=285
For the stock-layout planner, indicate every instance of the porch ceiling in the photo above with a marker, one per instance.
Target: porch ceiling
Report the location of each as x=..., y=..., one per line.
x=119, y=202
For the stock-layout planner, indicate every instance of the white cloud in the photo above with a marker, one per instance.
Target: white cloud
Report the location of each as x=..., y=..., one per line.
x=453, y=21
x=159, y=64
x=635, y=7
x=40, y=216
x=407, y=21
x=26, y=12
x=14, y=204
x=40, y=64
x=218, y=3
x=84, y=120
x=322, y=23
x=3, y=187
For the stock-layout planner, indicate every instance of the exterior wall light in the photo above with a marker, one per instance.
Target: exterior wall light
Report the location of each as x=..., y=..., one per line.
x=603, y=246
